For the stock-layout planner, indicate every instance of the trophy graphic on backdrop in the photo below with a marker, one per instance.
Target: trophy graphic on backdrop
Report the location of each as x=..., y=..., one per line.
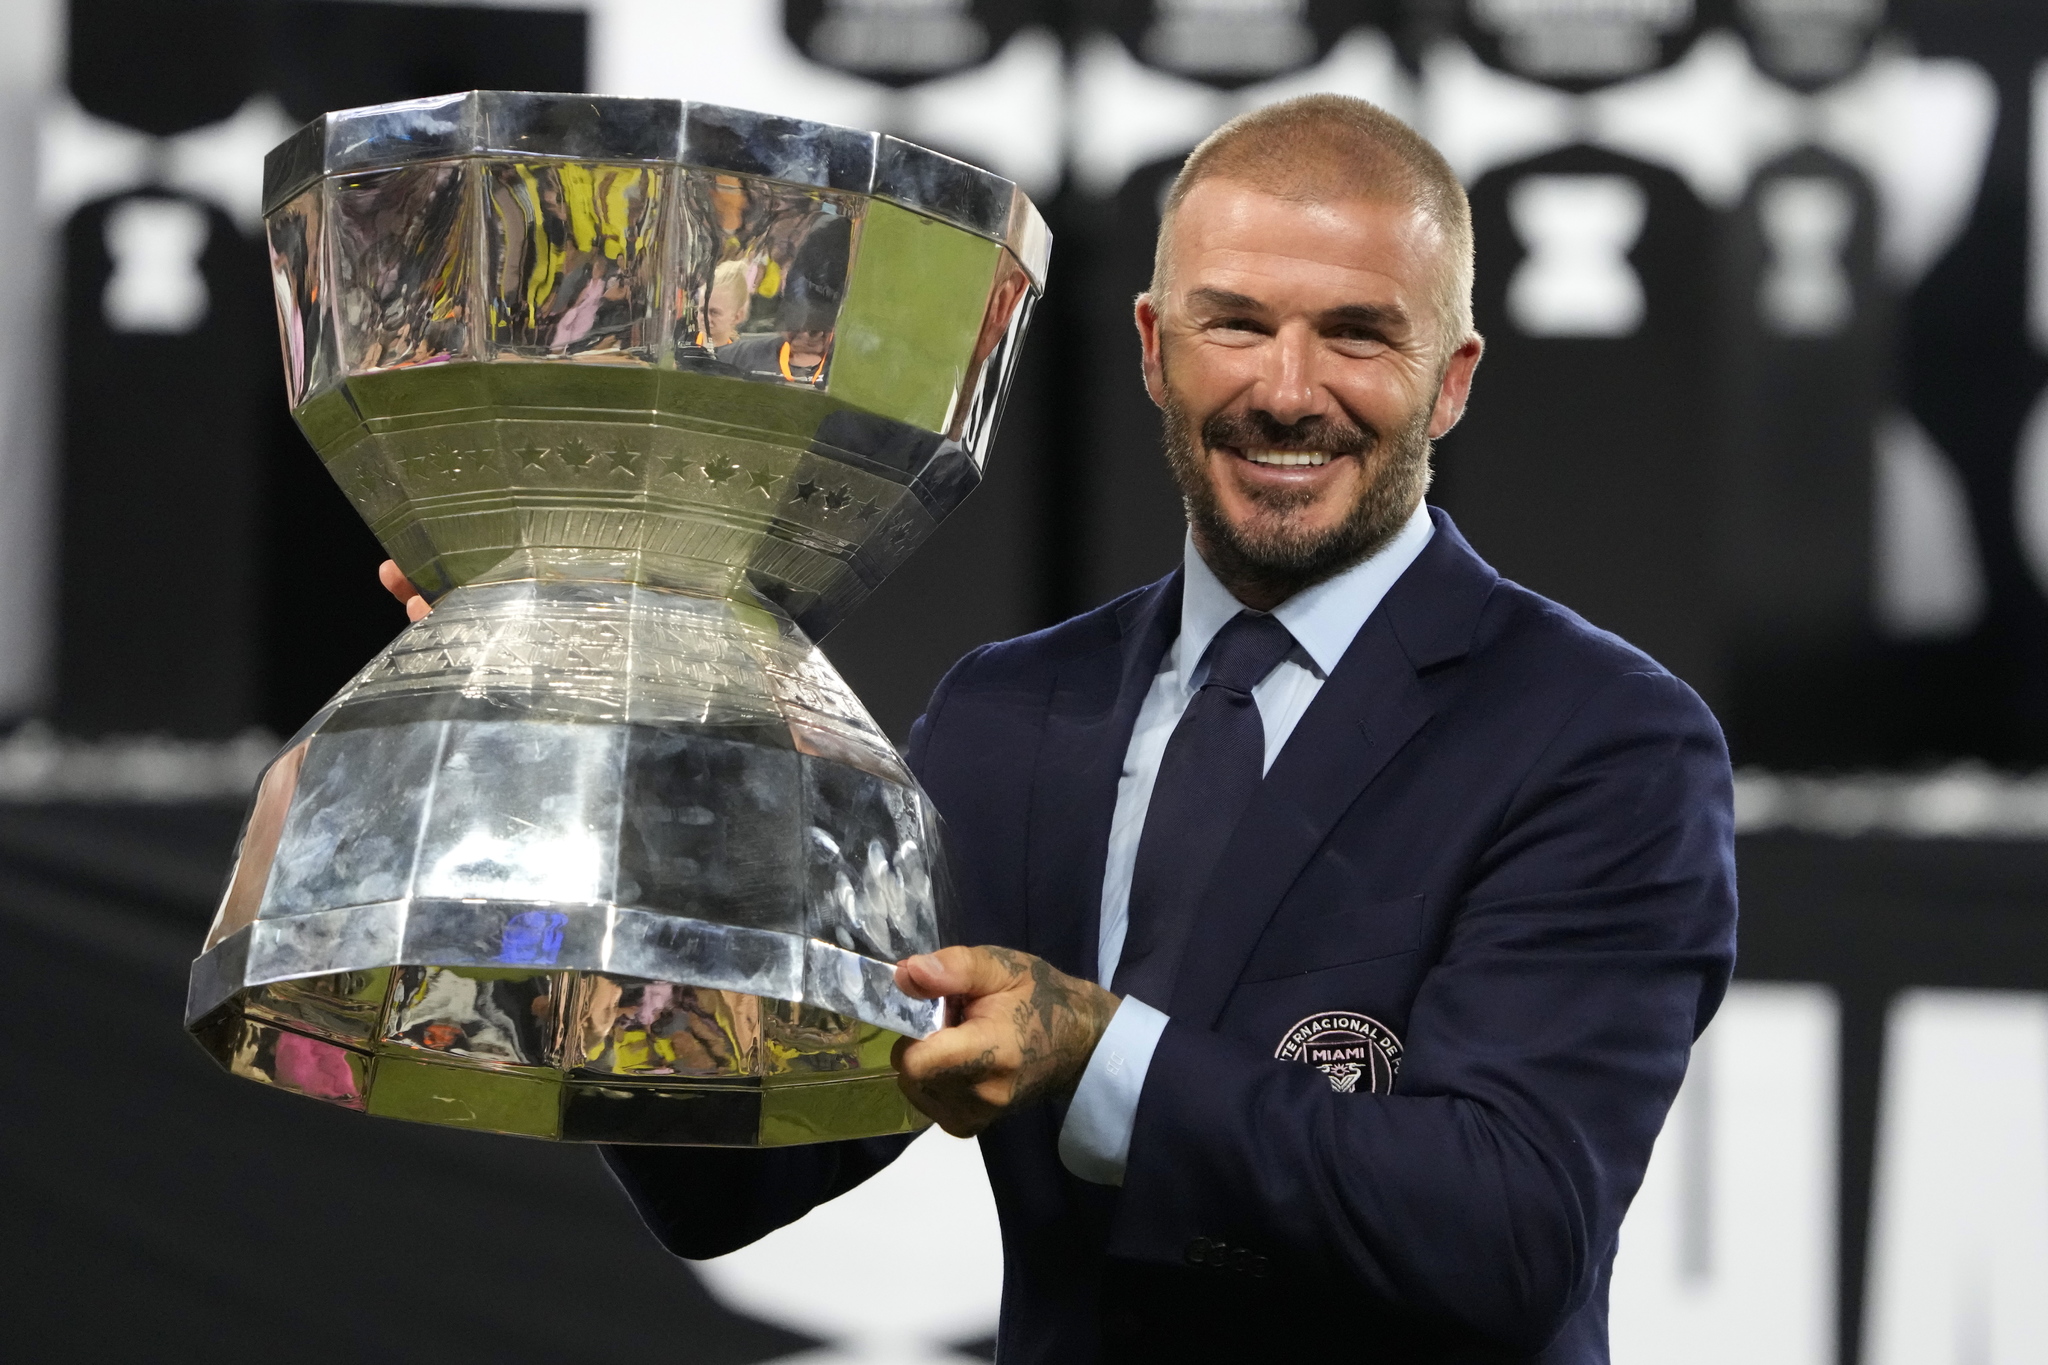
x=647, y=394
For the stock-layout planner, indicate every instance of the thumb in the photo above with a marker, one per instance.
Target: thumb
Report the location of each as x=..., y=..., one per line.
x=965, y=972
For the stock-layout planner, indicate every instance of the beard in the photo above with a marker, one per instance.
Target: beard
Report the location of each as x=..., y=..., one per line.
x=1269, y=555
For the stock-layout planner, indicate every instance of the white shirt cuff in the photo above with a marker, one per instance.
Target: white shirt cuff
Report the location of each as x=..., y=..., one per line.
x=1095, y=1141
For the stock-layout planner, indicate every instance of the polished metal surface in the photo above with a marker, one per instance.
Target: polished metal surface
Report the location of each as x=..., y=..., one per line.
x=702, y=137
x=644, y=395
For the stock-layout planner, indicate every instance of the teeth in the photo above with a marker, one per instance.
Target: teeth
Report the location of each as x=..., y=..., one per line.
x=1287, y=457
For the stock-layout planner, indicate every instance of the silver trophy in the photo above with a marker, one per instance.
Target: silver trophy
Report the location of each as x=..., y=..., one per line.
x=646, y=395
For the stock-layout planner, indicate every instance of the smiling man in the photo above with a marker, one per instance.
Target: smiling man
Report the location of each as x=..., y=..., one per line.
x=1356, y=908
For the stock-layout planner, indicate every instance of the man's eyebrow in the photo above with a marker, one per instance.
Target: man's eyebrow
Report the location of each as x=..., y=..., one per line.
x=1390, y=315
x=1223, y=301
x=1382, y=315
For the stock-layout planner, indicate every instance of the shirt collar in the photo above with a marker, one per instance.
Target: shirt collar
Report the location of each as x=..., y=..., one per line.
x=1323, y=619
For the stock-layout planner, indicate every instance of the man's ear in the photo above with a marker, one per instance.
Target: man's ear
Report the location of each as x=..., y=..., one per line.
x=1148, y=342
x=1456, y=385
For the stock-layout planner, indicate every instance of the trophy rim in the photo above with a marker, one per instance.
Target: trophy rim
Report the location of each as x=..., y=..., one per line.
x=722, y=139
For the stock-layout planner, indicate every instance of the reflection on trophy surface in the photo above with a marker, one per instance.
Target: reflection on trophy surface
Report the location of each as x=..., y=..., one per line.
x=646, y=394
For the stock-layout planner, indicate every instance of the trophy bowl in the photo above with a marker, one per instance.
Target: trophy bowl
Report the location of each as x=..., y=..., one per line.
x=644, y=395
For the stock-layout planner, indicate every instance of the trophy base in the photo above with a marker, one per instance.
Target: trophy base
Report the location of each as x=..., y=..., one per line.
x=584, y=859
x=636, y=1061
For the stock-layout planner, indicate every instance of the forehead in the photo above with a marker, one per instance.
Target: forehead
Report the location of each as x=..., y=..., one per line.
x=1230, y=235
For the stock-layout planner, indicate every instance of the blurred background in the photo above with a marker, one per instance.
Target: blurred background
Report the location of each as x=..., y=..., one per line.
x=1765, y=288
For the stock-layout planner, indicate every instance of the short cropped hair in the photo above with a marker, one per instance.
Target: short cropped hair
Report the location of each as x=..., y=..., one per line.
x=730, y=275
x=1319, y=149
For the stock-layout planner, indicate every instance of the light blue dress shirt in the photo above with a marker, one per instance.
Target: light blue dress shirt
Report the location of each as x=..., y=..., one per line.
x=1095, y=1141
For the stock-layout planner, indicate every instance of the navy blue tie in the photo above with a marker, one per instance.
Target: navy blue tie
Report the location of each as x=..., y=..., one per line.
x=1212, y=764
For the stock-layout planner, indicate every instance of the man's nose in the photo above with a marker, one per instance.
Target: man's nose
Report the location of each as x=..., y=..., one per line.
x=1287, y=388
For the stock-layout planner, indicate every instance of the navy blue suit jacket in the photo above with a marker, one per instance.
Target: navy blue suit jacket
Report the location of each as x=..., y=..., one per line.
x=1502, y=834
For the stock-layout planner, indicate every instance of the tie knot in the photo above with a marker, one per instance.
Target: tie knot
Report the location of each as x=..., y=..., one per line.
x=1250, y=645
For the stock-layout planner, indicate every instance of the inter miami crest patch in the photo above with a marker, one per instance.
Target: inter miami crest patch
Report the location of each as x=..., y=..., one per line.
x=1357, y=1052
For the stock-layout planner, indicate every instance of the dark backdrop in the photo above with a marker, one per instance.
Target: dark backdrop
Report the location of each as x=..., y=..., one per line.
x=157, y=1200
x=160, y=1210
x=1699, y=482
x=212, y=577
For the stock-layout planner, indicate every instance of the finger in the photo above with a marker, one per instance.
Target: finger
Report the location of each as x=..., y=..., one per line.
x=952, y=1099
x=966, y=972
x=963, y=1125
x=418, y=608
x=968, y=1052
x=960, y=1120
x=395, y=582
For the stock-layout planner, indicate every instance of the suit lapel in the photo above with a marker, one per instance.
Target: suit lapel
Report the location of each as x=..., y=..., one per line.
x=1093, y=708
x=1367, y=711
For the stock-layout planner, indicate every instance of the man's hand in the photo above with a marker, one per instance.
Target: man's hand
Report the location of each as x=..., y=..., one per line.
x=400, y=587
x=1021, y=1031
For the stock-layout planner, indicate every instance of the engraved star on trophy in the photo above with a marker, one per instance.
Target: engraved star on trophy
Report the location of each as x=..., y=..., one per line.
x=645, y=394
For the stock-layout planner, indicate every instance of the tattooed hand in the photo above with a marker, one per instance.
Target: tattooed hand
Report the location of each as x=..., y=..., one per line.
x=1021, y=1031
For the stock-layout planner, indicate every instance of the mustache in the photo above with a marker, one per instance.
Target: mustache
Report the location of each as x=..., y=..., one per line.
x=1257, y=430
